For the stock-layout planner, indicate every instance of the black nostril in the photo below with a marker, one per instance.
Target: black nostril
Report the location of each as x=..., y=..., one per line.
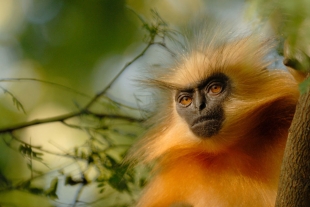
x=202, y=106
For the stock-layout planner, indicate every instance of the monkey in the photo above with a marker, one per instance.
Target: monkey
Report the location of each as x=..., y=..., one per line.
x=222, y=118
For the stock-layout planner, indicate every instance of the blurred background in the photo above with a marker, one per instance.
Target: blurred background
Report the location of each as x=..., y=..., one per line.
x=56, y=55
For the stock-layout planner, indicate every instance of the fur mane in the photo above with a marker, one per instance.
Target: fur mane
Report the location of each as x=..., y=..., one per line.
x=254, y=89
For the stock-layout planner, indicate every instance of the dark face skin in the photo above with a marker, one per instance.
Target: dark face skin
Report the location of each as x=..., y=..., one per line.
x=201, y=105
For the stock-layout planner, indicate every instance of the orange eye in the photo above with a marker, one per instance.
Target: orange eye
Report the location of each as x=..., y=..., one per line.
x=186, y=100
x=216, y=88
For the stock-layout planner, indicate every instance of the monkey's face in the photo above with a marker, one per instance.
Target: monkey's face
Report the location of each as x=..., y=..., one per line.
x=201, y=105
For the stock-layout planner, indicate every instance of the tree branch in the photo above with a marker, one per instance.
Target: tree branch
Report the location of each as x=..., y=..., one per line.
x=40, y=121
x=85, y=110
x=294, y=184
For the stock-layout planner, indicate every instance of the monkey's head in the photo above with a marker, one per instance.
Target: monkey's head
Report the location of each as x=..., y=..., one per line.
x=201, y=104
x=216, y=96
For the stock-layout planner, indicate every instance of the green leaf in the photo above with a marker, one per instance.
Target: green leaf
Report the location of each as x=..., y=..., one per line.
x=102, y=190
x=51, y=192
x=142, y=182
x=16, y=102
x=36, y=191
x=304, y=86
x=117, y=182
x=37, y=155
x=25, y=184
x=100, y=185
x=25, y=149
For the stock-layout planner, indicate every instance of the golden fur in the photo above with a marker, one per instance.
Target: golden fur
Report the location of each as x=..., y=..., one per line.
x=240, y=165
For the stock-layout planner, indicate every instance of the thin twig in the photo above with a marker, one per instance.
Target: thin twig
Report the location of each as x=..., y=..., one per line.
x=117, y=75
x=84, y=110
x=158, y=31
x=40, y=121
x=45, y=82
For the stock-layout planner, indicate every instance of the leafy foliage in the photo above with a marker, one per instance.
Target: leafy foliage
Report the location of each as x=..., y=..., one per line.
x=16, y=102
x=108, y=130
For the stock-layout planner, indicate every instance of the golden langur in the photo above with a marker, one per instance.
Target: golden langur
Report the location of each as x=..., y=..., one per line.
x=219, y=132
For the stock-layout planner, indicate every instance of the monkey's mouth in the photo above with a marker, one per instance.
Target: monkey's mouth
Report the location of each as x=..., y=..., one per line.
x=206, y=126
x=204, y=119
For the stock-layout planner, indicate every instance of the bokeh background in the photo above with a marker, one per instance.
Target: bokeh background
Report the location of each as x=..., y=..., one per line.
x=56, y=55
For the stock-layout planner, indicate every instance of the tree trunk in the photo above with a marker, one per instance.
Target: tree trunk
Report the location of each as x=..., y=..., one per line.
x=294, y=185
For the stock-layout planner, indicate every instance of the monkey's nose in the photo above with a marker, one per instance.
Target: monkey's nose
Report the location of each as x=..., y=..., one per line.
x=200, y=102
